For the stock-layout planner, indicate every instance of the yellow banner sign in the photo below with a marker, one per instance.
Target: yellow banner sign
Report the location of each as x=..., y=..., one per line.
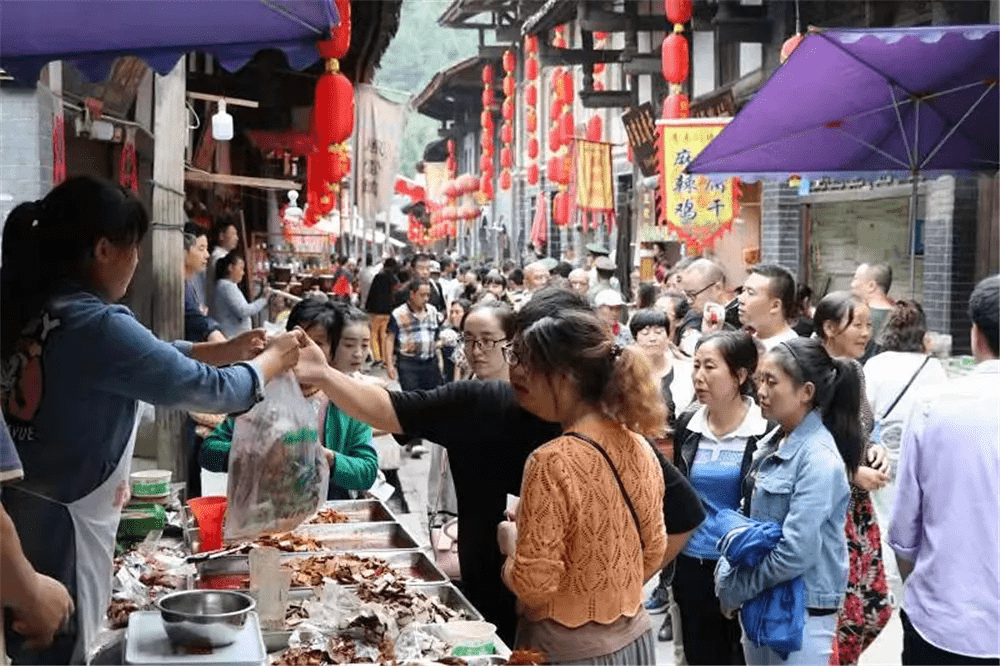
x=697, y=209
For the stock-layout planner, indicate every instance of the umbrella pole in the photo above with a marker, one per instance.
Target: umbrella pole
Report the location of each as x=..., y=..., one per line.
x=914, y=193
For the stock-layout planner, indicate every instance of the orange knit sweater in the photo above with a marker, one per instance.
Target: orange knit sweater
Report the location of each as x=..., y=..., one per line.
x=578, y=558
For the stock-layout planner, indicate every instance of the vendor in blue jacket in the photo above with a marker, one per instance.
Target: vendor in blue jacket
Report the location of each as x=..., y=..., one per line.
x=798, y=479
x=75, y=366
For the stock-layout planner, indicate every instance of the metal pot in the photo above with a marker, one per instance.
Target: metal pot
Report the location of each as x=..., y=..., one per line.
x=204, y=618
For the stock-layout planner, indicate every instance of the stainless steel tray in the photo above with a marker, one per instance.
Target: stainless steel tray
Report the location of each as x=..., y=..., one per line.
x=360, y=536
x=233, y=571
x=362, y=511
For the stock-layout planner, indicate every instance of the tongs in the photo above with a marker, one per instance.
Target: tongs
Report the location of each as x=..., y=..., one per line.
x=216, y=554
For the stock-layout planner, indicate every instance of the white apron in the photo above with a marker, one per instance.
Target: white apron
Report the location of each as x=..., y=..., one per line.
x=95, y=527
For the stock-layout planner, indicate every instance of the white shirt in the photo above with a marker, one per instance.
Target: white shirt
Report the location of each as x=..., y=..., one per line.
x=773, y=341
x=682, y=384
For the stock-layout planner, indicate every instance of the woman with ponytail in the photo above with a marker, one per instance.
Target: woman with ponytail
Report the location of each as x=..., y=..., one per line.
x=589, y=528
x=76, y=365
x=798, y=479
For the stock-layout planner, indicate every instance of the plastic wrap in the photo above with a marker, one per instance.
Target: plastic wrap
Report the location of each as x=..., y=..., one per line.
x=277, y=472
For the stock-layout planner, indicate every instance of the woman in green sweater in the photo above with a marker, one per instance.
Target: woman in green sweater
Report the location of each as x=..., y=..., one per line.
x=343, y=334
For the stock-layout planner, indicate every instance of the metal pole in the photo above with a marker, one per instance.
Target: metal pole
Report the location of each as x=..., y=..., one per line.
x=914, y=194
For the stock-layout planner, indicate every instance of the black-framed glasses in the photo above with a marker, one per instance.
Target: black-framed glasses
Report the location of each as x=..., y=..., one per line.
x=510, y=356
x=691, y=295
x=483, y=345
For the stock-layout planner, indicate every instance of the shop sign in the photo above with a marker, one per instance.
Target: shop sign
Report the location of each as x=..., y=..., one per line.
x=827, y=184
x=721, y=105
x=697, y=209
x=640, y=125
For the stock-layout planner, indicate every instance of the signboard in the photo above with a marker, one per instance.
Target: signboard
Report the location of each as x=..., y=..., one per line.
x=717, y=106
x=698, y=210
x=640, y=125
x=380, y=124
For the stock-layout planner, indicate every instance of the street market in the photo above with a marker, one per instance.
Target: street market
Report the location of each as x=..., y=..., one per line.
x=475, y=332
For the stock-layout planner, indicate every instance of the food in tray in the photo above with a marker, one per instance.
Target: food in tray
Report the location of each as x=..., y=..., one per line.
x=526, y=658
x=405, y=604
x=328, y=517
x=290, y=542
x=301, y=657
x=140, y=577
x=344, y=568
x=119, y=611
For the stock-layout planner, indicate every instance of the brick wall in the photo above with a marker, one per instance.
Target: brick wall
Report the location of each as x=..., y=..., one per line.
x=25, y=145
x=780, y=226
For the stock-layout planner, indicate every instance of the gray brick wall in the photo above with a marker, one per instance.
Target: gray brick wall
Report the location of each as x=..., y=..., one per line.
x=25, y=145
x=780, y=226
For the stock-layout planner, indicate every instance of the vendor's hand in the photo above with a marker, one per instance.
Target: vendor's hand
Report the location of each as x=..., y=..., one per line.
x=507, y=537
x=44, y=615
x=281, y=353
x=312, y=367
x=330, y=457
x=869, y=479
x=390, y=371
x=248, y=345
x=878, y=458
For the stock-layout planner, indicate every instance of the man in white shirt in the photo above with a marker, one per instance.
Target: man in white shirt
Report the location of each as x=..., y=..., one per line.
x=767, y=303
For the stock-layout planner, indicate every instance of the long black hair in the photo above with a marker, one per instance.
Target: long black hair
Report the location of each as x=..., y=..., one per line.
x=53, y=239
x=837, y=395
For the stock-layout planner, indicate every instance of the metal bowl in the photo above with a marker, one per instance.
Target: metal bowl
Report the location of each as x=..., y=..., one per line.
x=204, y=618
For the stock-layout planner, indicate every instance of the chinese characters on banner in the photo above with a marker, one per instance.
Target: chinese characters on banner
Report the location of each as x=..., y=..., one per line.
x=640, y=125
x=698, y=210
x=595, y=192
x=380, y=125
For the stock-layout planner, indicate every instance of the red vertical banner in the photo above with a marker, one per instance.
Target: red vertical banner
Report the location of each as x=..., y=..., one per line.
x=128, y=169
x=58, y=148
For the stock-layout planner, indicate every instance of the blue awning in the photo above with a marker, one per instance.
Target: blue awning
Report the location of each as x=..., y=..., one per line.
x=93, y=33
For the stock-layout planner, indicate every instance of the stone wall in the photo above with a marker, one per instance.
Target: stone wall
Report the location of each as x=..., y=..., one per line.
x=25, y=145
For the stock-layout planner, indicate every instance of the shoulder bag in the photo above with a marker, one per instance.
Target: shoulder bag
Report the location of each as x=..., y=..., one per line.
x=877, y=430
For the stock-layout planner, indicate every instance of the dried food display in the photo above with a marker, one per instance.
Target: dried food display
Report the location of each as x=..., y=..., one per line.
x=344, y=568
x=526, y=658
x=406, y=605
x=289, y=542
x=143, y=575
x=329, y=517
x=118, y=612
x=301, y=657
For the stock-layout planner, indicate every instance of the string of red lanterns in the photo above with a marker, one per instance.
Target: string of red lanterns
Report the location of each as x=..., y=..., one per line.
x=562, y=131
x=675, y=60
x=486, y=136
x=507, y=131
x=531, y=105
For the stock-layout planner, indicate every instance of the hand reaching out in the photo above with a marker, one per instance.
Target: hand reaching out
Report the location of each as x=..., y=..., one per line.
x=41, y=620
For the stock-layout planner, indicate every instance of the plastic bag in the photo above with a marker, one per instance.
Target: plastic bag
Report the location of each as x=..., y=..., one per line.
x=277, y=472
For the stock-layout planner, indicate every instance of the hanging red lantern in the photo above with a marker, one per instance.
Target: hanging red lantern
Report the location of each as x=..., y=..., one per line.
x=601, y=36
x=487, y=146
x=451, y=147
x=469, y=183
x=509, y=86
x=507, y=133
x=595, y=128
x=340, y=36
x=559, y=87
x=531, y=94
x=488, y=97
x=532, y=174
x=567, y=97
x=555, y=138
x=790, y=45
x=560, y=209
x=451, y=189
x=674, y=57
x=599, y=68
x=506, y=158
x=559, y=43
x=487, y=74
x=676, y=105
x=334, y=107
x=598, y=85
x=532, y=148
x=532, y=121
x=531, y=44
x=508, y=109
x=452, y=165
x=505, y=180
x=486, y=121
x=555, y=110
x=678, y=11
x=567, y=127
x=486, y=187
x=485, y=163
x=509, y=61
x=554, y=170
x=531, y=69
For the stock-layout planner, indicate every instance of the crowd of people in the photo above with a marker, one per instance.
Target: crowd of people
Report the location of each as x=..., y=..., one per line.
x=780, y=469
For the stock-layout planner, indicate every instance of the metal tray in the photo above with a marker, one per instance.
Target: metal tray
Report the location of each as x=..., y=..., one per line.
x=358, y=537
x=361, y=511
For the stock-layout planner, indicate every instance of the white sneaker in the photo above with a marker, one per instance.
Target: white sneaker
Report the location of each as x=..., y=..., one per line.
x=418, y=450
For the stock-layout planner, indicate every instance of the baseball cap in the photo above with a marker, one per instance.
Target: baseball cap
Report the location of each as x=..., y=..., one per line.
x=604, y=264
x=597, y=248
x=609, y=297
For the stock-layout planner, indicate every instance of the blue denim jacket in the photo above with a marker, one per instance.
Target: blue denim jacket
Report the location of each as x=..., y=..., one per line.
x=803, y=487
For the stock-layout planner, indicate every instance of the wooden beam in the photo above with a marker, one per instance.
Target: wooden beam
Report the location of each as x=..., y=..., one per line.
x=192, y=176
x=643, y=64
x=232, y=101
x=605, y=99
x=170, y=128
x=550, y=55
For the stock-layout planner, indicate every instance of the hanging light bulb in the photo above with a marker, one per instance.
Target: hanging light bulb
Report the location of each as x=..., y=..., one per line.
x=293, y=213
x=222, y=123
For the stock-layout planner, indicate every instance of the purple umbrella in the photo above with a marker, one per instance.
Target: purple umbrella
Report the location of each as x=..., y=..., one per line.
x=897, y=100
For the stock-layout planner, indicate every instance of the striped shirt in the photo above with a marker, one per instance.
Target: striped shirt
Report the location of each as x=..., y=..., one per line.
x=416, y=334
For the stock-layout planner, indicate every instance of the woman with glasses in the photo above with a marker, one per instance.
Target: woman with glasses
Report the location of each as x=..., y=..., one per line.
x=589, y=528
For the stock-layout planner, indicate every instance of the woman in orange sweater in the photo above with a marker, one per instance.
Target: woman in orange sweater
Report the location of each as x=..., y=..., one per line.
x=589, y=529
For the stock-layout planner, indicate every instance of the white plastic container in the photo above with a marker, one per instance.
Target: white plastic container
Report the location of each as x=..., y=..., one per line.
x=470, y=638
x=150, y=484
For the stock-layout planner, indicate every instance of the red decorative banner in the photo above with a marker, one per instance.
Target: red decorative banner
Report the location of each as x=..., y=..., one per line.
x=128, y=166
x=58, y=148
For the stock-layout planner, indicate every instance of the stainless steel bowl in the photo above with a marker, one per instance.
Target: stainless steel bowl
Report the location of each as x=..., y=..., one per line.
x=204, y=618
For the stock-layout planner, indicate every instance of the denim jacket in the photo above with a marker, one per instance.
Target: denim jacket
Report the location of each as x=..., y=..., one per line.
x=803, y=487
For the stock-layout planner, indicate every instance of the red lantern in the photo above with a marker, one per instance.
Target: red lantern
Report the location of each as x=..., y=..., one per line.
x=678, y=11
x=567, y=127
x=487, y=74
x=532, y=174
x=486, y=121
x=595, y=128
x=555, y=139
x=485, y=163
x=531, y=94
x=555, y=110
x=601, y=36
x=340, y=37
x=531, y=44
x=469, y=183
x=598, y=85
x=567, y=96
x=559, y=43
x=452, y=165
x=451, y=147
x=560, y=209
x=790, y=45
x=486, y=187
x=532, y=148
x=554, y=169
x=488, y=97
x=532, y=121
x=505, y=180
x=334, y=108
x=509, y=86
x=509, y=61
x=508, y=109
x=507, y=133
x=676, y=105
x=674, y=57
x=451, y=189
x=598, y=68
x=531, y=69
x=506, y=158
x=487, y=146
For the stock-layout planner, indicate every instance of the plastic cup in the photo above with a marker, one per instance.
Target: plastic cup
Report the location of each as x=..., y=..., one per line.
x=469, y=638
x=209, y=512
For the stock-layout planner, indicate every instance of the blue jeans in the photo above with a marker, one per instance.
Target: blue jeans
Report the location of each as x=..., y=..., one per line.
x=817, y=645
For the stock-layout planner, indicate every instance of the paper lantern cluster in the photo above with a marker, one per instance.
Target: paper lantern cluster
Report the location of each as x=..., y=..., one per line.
x=459, y=206
x=675, y=60
x=531, y=106
x=486, y=136
x=332, y=123
x=507, y=131
x=562, y=132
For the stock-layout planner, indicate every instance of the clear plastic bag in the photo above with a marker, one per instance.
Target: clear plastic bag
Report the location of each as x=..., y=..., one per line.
x=278, y=475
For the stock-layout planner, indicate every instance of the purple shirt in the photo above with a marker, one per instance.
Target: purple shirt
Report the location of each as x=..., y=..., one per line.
x=947, y=514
